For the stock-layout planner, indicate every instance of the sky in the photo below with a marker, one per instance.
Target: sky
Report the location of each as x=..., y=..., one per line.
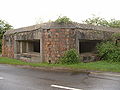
x=21, y=13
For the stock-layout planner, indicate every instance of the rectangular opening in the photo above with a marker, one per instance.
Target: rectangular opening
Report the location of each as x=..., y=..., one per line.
x=88, y=46
x=33, y=46
x=28, y=46
x=36, y=46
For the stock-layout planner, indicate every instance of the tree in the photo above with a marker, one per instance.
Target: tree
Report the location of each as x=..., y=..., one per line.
x=103, y=22
x=4, y=26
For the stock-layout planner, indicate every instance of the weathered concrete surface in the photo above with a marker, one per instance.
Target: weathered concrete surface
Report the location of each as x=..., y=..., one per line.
x=16, y=46
x=14, y=78
x=56, y=42
x=54, y=39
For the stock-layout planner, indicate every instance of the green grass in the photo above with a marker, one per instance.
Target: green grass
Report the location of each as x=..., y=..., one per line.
x=97, y=66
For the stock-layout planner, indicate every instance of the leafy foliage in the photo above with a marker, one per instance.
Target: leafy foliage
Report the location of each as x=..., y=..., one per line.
x=63, y=20
x=109, y=51
x=116, y=36
x=70, y=57
x=103, y=22
x=4, y=26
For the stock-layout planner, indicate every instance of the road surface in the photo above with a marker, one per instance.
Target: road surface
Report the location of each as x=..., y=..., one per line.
x=16, y=78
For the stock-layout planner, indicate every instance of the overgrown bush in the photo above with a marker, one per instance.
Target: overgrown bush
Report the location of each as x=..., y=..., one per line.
x=109, y=51
x=63, y=20
x=115, y=36
x=70, y=57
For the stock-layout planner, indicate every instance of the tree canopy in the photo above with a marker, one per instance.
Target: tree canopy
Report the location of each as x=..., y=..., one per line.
x=103, y=22
x=4, y=26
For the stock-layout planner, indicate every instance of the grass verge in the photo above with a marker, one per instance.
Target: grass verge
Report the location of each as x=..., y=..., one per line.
x=97, y=66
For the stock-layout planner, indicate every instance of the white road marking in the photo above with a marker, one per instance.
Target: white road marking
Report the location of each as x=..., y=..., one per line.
x=1, y=78
x=63, y=87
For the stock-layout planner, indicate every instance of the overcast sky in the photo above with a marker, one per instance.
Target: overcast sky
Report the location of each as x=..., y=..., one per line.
x=20, y=13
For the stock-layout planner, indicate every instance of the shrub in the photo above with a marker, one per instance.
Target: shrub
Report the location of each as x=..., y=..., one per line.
x=109, y=51
x=63, y=20
x=115, y=35
x=70, y=57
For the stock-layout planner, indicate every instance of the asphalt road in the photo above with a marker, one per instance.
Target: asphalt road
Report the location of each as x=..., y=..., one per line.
x=16, y=78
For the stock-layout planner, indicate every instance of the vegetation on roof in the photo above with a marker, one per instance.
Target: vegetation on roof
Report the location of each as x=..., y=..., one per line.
x=116, y=36
x=63, y=20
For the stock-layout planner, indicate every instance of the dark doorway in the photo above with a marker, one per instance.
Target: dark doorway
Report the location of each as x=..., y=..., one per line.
x=36, y=46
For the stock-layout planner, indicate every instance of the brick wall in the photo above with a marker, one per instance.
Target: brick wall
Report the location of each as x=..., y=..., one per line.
x=56, y=42
x=8, y=47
